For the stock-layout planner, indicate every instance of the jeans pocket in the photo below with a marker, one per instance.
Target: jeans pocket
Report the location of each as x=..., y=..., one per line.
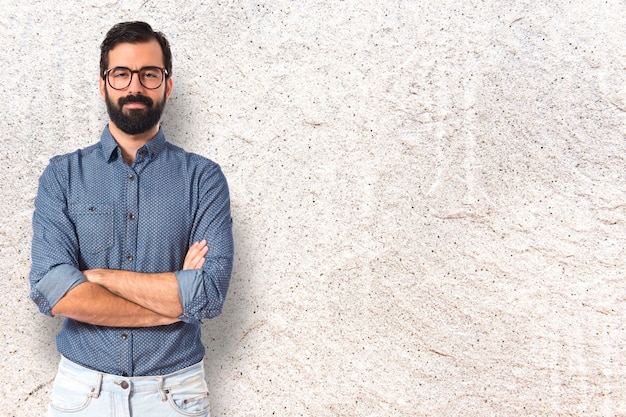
x=69, y=395
x=191, y=399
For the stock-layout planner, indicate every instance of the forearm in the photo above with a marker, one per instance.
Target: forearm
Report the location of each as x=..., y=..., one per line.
x=155, y=292
x=93, y=304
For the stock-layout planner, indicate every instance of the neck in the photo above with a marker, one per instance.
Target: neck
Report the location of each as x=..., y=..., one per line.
x=130, y=144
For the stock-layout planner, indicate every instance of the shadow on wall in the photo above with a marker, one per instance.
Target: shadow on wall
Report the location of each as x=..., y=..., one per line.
x=182, y=115
x=222, y=335
x=42, y=345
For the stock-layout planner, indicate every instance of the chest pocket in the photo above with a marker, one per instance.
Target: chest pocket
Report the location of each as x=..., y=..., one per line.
x=94, y=226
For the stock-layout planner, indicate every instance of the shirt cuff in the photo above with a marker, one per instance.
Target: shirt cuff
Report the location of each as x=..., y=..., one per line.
x=58, y=281
x=190, y=288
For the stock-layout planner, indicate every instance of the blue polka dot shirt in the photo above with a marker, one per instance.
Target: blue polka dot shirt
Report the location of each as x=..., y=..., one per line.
x=94, y=211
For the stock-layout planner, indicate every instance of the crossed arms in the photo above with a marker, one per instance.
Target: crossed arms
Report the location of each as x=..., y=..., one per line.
x=128, y=299
x=68, y=245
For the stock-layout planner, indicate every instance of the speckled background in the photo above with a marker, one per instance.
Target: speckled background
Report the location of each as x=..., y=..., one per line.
x=429, y=197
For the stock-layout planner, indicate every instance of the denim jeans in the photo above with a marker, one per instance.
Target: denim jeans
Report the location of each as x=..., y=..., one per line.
x=81, y=392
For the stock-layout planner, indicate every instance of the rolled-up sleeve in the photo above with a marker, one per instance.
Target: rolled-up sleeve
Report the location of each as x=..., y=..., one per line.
x=54, y=251
x=203, y=291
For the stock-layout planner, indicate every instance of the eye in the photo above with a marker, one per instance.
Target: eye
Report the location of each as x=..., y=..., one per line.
x=151, y=73
x=119, y=73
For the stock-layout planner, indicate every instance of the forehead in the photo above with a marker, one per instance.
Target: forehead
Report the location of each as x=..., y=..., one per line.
x=136, y=55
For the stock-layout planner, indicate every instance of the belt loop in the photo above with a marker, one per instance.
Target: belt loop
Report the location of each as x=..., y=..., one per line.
x=160, y=388
x=95, y=392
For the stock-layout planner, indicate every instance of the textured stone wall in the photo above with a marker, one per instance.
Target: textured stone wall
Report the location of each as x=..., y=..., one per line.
x=429, y=197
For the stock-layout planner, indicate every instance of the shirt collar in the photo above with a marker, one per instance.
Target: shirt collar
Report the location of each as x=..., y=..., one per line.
x=110, y=146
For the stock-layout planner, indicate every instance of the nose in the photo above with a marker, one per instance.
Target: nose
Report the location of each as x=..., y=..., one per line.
x=135, y=85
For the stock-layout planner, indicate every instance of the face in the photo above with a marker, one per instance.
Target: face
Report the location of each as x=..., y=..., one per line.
x=136, y=109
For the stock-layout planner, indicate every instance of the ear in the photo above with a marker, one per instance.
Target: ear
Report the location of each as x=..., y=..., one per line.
x=102, y=87
x=169, y=86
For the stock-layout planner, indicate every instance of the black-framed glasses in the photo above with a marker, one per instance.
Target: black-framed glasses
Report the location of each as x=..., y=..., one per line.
x=150, y=77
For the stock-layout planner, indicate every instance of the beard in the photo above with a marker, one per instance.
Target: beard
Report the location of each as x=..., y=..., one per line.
x=135, y=121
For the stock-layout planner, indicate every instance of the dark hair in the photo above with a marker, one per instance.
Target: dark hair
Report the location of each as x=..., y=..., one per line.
x=133, y=32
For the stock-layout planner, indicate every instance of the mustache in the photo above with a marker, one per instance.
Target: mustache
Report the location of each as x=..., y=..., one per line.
x=135, y=99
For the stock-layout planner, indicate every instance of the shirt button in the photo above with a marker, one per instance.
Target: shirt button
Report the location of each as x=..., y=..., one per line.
x=124, y=336
x=129, y=257
x=131, y=216
x=131, y=177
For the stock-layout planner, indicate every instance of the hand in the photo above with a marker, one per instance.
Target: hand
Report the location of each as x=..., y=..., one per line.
x=195, y=255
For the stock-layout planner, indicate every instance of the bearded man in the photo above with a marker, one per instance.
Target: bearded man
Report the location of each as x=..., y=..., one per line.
x=132, y=245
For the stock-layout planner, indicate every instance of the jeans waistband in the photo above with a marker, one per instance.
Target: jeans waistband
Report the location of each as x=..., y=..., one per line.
x=100, y=381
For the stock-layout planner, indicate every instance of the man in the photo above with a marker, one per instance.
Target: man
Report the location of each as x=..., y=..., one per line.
x=132, y=244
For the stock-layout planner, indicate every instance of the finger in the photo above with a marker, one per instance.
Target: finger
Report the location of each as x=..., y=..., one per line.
x=198, y=251
x=195, y=256
x=195, y=249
